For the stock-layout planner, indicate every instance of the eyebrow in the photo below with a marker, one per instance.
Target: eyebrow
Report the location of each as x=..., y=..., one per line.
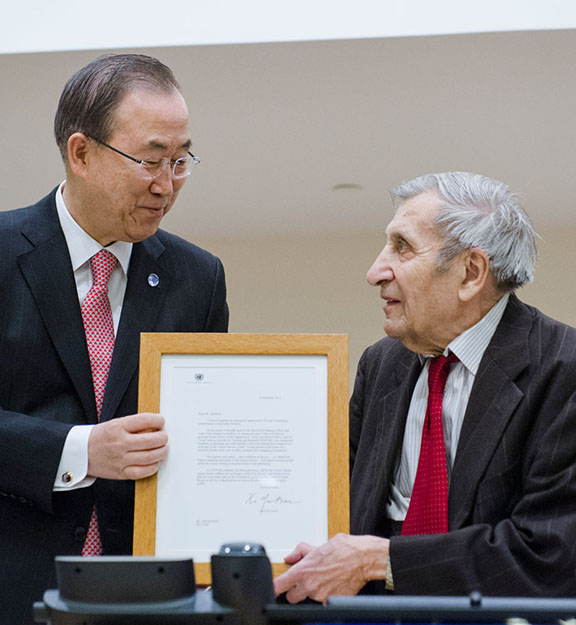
x=399, y=237
x=162, y=146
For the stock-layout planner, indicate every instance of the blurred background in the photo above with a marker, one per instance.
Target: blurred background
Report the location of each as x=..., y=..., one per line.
x=305, y=115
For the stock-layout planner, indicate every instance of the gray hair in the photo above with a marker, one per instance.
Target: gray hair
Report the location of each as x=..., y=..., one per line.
x=476, y=211
x=93, y=93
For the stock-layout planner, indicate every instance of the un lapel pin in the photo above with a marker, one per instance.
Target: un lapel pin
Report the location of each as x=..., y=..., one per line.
x=153, y=280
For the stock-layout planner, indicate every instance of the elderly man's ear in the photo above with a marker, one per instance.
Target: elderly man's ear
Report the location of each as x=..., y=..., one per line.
x=475, y=274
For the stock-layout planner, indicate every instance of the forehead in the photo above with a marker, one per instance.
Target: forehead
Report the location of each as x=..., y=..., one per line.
x=144, y=114
x=415, y=217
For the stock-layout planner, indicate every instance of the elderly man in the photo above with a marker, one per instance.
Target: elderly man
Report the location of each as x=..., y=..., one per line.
x=471, y=486
x=84, y=272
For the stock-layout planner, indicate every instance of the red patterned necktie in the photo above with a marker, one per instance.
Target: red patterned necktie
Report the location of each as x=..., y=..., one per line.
x=428, y=509
x=99, y=328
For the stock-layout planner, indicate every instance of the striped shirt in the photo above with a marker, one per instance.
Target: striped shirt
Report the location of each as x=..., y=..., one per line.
x=469, y=347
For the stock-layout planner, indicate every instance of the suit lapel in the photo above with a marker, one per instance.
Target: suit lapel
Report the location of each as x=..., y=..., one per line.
x=392, y=410
x=47, y=270
x=140, y=308
x=397, y=404
x=492, y=402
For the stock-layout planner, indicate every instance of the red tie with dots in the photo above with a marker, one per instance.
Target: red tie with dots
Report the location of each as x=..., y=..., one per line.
x=428, y=509
x=99, y=328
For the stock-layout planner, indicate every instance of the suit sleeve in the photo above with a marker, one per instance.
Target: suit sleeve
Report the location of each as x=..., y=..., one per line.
x=356, y=410
x=217, y=320
x=30, y=454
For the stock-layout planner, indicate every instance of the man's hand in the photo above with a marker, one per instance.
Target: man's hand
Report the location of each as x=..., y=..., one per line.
x=127, y=448
x=342, y=566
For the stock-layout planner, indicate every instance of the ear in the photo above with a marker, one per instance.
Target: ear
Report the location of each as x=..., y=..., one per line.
x=78, y=148
x=476, y=274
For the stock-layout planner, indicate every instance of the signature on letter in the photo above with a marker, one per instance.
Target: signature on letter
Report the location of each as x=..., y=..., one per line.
x=268, y=500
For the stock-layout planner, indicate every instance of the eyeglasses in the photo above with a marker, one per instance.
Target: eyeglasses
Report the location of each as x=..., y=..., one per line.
x=181, y=167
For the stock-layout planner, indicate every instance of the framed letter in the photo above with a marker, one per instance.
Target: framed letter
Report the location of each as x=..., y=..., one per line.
x=258, y=433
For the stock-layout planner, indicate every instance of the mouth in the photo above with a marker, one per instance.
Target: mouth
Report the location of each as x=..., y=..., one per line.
x=390, y=301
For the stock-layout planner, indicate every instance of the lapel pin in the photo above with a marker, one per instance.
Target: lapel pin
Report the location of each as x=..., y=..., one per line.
x=153, y=280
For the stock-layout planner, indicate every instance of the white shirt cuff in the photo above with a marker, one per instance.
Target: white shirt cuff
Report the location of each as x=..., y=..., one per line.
x=73, y=467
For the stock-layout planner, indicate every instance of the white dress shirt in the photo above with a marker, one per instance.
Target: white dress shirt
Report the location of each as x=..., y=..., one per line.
x=73, y=468
x=469, y=347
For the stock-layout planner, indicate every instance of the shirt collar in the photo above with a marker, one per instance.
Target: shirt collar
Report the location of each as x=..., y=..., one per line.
x=470, y=346
x=81, y=245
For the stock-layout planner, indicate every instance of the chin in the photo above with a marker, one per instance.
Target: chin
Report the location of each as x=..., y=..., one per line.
x=144, y=232
x=143, y=236
x=391, y=331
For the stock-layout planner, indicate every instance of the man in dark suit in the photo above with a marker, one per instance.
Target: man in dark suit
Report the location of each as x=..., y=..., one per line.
x=457, y=248
x=65, y=456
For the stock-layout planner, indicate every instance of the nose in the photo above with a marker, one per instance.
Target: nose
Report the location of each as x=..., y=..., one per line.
x=381, y=270
x=163, y=184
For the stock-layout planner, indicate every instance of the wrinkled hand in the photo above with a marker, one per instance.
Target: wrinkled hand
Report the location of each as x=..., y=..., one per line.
x=127, y=448
x=342, y=566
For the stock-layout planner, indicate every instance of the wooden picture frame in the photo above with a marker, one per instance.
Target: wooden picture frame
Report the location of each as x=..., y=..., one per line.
x=284, y=357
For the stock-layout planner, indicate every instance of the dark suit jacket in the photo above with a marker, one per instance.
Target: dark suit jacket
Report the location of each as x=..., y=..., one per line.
x=46, y=386
x=512, y=497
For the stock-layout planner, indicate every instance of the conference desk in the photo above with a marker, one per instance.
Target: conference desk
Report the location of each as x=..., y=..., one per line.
x=136, y=591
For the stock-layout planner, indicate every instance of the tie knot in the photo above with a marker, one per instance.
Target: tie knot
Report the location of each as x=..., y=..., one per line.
x=438, y=372
x=102, y=265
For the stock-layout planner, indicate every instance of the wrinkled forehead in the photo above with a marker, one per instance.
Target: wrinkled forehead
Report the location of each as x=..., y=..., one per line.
x=416, y=214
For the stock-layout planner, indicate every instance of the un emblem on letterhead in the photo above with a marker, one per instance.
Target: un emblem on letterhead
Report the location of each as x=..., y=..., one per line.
x=199, y=377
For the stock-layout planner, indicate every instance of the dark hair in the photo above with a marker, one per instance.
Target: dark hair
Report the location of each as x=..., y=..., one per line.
x=92, y=94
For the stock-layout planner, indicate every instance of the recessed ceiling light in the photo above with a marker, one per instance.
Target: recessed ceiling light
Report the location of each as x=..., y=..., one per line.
x=347, y=186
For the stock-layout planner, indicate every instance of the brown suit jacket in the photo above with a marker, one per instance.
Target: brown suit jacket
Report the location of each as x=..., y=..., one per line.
x=512, y=497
